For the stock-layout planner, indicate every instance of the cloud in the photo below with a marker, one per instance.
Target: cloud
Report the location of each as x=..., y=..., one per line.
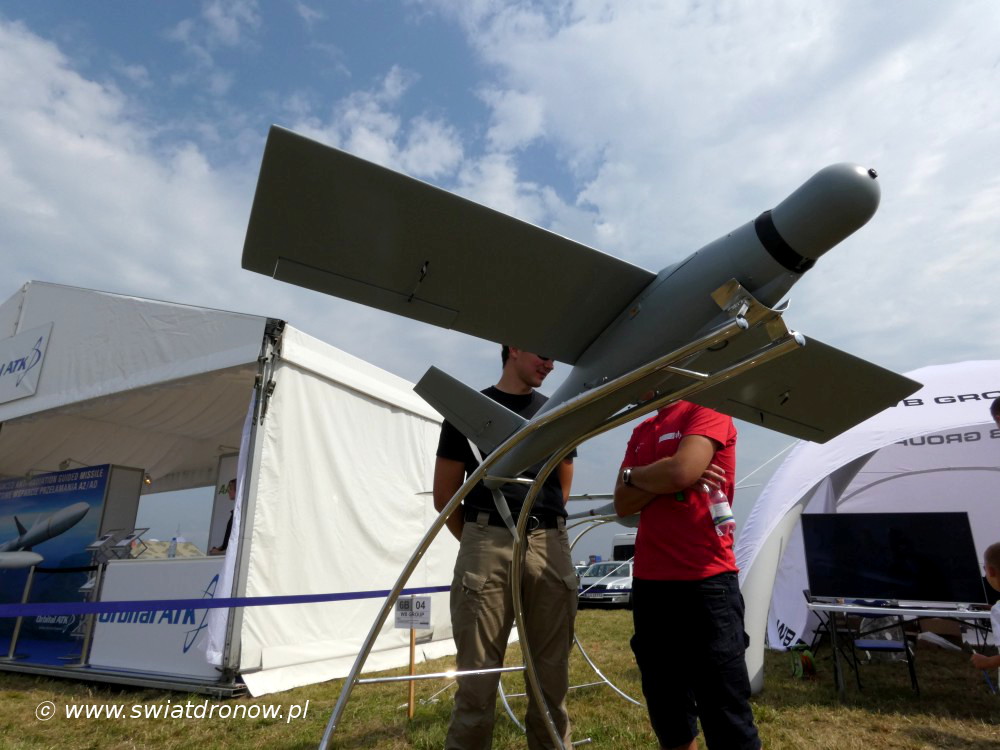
x=223, y=24
x=681, y=122
x=137, y=74
x=91, y=196
x=493, y=181
x=518, y=118
x=368, y=123
x=645, y=129
x=82, y=181
x=230, y=20
x=432, y=149
x=309, y=14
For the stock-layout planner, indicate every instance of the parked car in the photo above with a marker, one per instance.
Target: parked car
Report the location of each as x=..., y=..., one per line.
x=607, y=583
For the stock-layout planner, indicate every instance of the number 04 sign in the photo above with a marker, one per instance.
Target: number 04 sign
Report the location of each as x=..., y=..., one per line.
x=414, y=612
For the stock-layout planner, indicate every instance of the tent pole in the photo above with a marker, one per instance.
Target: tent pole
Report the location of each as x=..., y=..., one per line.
x=263, y=388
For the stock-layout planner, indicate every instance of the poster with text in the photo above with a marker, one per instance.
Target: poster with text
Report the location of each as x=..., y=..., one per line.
x=55, y=515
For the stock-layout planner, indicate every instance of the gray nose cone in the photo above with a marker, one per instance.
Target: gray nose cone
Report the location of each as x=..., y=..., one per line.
x=831, y=205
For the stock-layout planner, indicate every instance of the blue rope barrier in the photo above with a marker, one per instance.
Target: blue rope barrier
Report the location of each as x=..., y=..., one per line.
x=97, y=608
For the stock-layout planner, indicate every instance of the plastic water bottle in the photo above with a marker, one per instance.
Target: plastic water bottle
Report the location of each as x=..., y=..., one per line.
x=722, y=512
x=172, y=549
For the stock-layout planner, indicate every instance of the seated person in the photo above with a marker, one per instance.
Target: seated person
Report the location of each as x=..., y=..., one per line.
x=991, y=564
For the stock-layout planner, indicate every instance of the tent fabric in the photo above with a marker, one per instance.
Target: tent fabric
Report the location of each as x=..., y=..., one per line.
x=321, y=359
x=110, y=343
x=340, y=475
x=937, y=450
x=217, y=621
x=343, y=496
x=157, y=385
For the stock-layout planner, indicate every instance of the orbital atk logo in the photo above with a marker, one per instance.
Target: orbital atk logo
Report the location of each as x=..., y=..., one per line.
x=185, y=617
x=21, y=366
x=21, y=358
x=192, y=635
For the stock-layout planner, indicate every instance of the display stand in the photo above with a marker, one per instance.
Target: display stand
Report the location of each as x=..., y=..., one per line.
x=747, y=315
x=116, y=544
x=80, y=632
x=98, y=548
x=100, y=552
x=85, y=630
x=124, y=548
x=830, y=610
x=12, y=650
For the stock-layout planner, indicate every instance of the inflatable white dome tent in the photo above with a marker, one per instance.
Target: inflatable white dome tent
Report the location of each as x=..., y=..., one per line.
x=938, y=450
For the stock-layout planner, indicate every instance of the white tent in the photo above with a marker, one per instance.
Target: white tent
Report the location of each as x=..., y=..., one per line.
x=336, y=467
x=938, y=450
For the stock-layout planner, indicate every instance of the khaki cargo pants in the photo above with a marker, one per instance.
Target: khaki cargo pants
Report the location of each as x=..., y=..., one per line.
x=482, y=614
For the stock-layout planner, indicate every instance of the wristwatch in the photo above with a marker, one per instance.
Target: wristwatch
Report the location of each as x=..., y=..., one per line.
x=627, y=476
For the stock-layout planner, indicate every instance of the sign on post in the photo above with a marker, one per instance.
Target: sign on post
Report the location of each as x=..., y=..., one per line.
x=414, y=612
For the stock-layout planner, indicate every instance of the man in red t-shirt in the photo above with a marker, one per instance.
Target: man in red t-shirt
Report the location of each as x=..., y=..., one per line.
x=689, y=640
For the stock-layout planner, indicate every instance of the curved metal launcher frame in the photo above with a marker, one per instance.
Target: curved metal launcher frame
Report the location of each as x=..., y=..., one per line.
x=745, y=312
x=596, y=519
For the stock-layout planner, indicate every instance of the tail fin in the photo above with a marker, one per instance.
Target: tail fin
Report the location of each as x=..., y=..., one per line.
x=481, y=419
x=21, y=531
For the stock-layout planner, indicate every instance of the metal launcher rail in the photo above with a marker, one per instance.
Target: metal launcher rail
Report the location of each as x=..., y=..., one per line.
x=746, y=314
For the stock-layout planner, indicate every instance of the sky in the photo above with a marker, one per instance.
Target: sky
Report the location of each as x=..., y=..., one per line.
x=131, y=136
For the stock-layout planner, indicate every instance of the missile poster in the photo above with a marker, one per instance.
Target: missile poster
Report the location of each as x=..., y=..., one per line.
x=55, y=515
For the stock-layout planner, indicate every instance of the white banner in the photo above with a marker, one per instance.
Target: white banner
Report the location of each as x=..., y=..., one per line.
x=164, y=641
x=21, y=359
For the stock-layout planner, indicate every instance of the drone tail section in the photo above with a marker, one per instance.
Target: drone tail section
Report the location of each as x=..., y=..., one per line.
x=481, y=419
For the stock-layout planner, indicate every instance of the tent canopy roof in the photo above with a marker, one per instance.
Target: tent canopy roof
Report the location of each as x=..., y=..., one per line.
x=153, y=385
x=954, y=396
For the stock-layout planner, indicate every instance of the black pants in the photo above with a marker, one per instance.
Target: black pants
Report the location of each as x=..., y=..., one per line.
x=689, y=644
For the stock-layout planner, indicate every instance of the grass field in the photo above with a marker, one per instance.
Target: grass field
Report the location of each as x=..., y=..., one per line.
x=954, y=709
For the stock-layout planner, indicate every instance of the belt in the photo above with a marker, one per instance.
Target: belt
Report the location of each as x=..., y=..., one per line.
x=535, y=521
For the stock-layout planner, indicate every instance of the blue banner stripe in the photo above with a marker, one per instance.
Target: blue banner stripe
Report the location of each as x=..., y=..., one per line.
x=97, y=608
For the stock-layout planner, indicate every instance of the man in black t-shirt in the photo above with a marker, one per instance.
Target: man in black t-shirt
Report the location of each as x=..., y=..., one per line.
x=481, y=603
